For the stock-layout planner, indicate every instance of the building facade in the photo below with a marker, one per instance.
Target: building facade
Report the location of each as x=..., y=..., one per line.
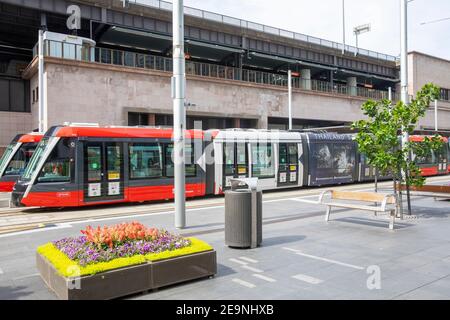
x=236, y=70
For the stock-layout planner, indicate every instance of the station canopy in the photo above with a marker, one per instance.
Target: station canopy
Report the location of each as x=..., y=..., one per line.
x=143, y=40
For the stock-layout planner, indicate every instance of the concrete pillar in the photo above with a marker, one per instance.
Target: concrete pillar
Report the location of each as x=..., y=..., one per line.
x=352, y=86
x=237, y=122
x=151, y=119
x=263, y=122
x=305, y=76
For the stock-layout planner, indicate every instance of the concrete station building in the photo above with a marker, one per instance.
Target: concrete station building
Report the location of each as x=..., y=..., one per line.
x=117, y=70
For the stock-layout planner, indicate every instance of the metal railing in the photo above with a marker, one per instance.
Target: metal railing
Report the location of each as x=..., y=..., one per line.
x=164, y=5
x=158, y=63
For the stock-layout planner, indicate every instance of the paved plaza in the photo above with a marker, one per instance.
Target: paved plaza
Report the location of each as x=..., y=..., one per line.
x=354, y=256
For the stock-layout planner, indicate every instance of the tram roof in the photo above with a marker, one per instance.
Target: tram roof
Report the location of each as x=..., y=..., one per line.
x=417, y=138
x=120, y=132
x=30, y=137
x=255, y=135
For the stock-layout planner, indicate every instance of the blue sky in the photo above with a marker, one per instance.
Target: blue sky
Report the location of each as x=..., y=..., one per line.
x=323, y=18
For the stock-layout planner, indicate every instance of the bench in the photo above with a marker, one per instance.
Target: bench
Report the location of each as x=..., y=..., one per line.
x=435, y=191
x=388, y=203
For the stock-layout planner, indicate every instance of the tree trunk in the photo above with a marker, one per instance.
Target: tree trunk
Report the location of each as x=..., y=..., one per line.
x=408, y=194
x=376, y=180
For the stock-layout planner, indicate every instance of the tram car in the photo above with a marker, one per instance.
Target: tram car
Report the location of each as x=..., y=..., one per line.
x=80, y=166
x=437, y=162
x=16, y=158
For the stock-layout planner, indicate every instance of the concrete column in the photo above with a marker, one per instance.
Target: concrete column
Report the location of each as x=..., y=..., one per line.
x=151, y=119
x=305, y=76
x=351, y=86
x=263, y=122
x=237, y=122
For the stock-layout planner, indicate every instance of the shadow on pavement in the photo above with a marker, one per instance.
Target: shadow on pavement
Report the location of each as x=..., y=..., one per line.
x=13, y=293
x=373, y=223
x=269, y=242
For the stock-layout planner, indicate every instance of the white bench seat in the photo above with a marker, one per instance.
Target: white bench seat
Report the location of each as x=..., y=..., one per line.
x=388, y=203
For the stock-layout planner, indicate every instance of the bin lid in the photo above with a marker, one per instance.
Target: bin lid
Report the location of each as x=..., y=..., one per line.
x=251, y=183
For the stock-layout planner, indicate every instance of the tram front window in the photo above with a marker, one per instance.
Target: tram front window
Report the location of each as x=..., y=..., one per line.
x=37, y=155
x=57, y=166
x=6, y=155
x=20, y=160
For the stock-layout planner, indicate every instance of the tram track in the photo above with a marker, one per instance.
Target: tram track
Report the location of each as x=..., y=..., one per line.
x=24, y=219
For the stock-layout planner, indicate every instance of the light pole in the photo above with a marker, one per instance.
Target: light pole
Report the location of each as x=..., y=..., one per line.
x=436, y=115
x=343, y=27
x=41, y=110
x=179, y=113
x=360, y=30
x=290, y=97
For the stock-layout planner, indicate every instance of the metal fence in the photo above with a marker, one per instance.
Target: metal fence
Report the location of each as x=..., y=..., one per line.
x=146, y=61
x=164, y=5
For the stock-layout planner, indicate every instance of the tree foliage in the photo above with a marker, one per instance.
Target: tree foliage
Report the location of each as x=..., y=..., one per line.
x=378, y=136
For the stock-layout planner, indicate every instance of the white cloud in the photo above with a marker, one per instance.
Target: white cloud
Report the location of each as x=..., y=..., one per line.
x=323, y=18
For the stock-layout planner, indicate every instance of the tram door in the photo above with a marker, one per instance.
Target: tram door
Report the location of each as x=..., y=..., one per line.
x=235, y=162
x=103, y=171
x=288, y=164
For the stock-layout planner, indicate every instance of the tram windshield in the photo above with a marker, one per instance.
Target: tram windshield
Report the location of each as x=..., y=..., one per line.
x=6, y=155
x=19, y=161
x=37, y=155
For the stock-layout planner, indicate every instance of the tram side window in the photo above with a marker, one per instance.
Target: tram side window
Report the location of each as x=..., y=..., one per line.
x=57, y=168
x=322, y=155
x=191, y=167
x=229, y=158
x=262, y=161
x=146, y=161
x=427, y=159
x=343, y=158
x=441, y=154
x=293, y=154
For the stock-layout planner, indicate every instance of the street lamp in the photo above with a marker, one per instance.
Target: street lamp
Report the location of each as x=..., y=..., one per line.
x=179, y=113
x=343, y=27
x=360, y=30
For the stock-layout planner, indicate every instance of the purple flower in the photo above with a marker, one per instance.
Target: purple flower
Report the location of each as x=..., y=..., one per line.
x=84, y=252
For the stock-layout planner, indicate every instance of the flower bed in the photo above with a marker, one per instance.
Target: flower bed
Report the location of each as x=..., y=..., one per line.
x=160, y=258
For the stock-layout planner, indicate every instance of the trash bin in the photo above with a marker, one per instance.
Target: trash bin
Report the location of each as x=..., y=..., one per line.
x=243, y=214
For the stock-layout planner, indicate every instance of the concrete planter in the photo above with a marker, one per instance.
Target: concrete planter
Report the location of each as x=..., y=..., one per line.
x=129, y=280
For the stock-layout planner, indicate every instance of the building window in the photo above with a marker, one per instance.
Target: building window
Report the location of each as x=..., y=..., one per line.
x=445, y=94
x=138, y=119
x=14, y=95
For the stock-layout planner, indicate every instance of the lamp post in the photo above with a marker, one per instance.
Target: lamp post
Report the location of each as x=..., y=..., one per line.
x=360, y=30
x=179, y=114
x=290, y=97
x=343, y=27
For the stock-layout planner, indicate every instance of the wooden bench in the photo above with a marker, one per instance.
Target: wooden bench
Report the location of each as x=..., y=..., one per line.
x=435, y=191
x=388, y=203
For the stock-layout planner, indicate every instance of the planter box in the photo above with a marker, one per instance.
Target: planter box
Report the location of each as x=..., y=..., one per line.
x=129, y=280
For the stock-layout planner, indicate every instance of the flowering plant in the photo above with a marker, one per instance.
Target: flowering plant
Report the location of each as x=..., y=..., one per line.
x=120, y=233
x=119, y=241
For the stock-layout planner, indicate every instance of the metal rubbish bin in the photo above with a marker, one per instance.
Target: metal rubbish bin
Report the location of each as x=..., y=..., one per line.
x=243, y=214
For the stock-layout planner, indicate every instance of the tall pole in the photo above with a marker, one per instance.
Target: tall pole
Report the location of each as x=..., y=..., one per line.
x=404, y=79
x=343, y=27
x=404, y=60
x=41, y=111
x=290, y=97
x=436, y=115
x=179, y=116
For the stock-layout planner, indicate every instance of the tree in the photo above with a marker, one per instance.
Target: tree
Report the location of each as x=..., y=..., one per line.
x=379, y=139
